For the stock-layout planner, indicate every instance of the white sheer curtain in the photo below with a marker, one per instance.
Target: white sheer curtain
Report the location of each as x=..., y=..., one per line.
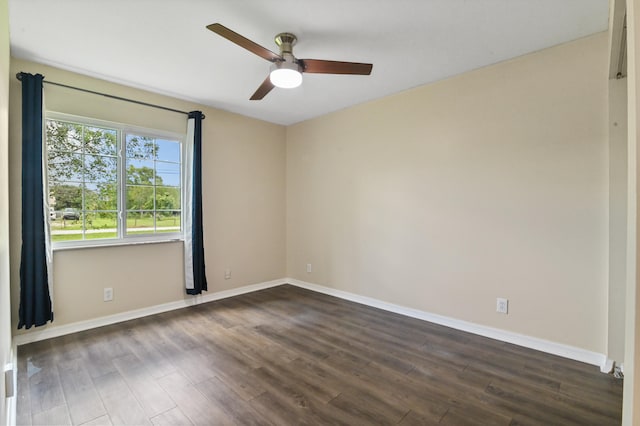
x=194, y=269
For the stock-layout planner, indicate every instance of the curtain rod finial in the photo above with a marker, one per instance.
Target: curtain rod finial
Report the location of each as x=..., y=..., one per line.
x=21, y=75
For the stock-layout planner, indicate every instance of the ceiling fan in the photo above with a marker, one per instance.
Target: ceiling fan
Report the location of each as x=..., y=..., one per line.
x=286, y=71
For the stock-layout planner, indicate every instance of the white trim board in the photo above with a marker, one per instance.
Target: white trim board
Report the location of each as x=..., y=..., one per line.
x=56, y=331
x=542, y=345
x=11, y=403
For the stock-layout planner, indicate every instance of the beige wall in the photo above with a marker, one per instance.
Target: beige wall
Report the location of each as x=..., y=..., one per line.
x=243, y=197
x=617, y=217
x=5, y=317
x=442, y=198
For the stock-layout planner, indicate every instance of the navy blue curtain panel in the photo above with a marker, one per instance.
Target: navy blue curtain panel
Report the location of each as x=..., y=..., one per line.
x=197, y=242
x=35, y=300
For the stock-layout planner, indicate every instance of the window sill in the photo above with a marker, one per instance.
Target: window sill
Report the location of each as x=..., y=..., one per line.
x=114, y=244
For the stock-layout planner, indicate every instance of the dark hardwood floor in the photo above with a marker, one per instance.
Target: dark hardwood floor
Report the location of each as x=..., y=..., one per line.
x=288, y=356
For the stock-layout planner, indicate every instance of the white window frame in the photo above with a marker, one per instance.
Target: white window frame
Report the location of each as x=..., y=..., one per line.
x=122, y=237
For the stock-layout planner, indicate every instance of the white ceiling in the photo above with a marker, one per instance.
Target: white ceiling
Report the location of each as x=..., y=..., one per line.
x=163, y=45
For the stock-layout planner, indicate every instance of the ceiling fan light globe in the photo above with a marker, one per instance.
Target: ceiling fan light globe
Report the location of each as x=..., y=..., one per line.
x=285, y=78
x=285, y=75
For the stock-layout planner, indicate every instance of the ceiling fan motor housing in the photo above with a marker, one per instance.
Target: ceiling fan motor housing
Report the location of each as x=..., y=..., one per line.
x=285, y=42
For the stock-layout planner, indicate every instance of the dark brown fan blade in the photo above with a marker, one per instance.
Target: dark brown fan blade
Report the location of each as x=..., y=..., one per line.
x=262, y=91
x=320, y=66
x=241, y=41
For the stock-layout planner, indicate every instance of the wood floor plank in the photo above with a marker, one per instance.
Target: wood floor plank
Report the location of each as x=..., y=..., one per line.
x=196, y=365
x=576, y=406
x=413, y=418
x=153, y=399
x=231, y=403
x=234, y=373
x=83, y=401
x=57, y=416
x=353, y=344
x=369, y=408
x=285, y=388
x=289, y=356
x=45, y=390
x=402, y=388
x=191, y=402
x=98, y=355
x=100, y=421
x=466, y=391
x=172, y=417
x=302, y=380
x=608, y=402
x=308, y=347
x=276, y=411
x=247, y=385
x=119, y=401
x=23, y=401
x=535, y=406
x=268, y=350
x=102, y=347
x=279, y=409
x=472, y=415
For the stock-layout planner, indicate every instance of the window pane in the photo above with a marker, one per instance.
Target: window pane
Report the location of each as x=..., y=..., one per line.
x=167, y=174
x=100, y=141
x=140, y=147
x=153, y=174
x=100, y=169
x=140, y=172
x=101, y=225
x=65, y=195
x=101, y=196
x=67, y=225
x=140, y=197
x=168, y=150
x=63, y=136
x=168, y=221
x=65, y=230
x=140, y=222
x=167, y=198
x=64, y=166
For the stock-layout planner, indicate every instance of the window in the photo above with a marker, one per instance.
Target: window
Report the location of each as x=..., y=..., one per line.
x=110, y=182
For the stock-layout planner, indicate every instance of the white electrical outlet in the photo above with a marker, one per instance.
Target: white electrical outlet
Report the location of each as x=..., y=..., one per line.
x=502, y=305
x=108, y=294
x=227, y=274
x=308, y=268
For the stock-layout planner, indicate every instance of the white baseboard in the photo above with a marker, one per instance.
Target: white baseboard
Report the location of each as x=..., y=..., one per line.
x=542, y=345
x=547, y=346
x=55, y=331
x=607, y=366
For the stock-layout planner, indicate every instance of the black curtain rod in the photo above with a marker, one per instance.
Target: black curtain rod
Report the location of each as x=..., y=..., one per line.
x=106, y=95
